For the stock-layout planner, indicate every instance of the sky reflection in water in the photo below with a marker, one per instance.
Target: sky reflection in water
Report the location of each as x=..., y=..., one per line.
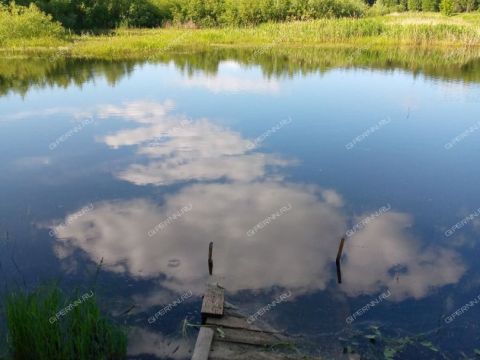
x=161, y=140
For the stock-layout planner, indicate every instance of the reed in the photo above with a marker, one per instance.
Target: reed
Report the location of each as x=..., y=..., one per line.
x=371, y=32
x=425, y=30
x=81, y=333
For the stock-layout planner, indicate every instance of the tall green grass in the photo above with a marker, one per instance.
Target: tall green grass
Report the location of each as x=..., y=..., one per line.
x=83, y=333
x=419, y=30
x=372, y=32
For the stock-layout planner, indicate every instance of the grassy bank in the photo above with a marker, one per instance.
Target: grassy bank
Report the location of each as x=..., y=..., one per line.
x=47, y=325
x=426, y=30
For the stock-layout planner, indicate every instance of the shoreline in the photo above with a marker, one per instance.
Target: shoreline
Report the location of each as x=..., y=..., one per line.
x=426, y=31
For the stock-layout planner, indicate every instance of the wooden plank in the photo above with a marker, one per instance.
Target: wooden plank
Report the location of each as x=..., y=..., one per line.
x=232, y=312
x=235, y=322
x=229, y=351
x=212, y=305
x=203, y=344
x=247, y=337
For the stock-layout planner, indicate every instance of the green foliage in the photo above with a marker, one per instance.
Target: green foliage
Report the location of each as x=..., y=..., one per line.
x=383, y=7
x=144, y=13
x=199, y=12
x=388, y=3
x=430, y=5
x=414, y=5
x=404, y=5
x=82, y=333
x=19, y=22
x=252, y=12
x=339, y=8
x=447, y=7
x=207, y=13
x=465, y=5
x=80, y=15
x=98, y=15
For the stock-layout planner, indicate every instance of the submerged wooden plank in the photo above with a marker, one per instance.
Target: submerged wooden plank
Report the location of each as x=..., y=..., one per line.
x=229, y=351
x=242, y=336
x=203, y=344
x=235, y=322
x=212, y=305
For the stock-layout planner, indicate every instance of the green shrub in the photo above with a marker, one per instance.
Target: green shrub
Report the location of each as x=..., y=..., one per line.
x=430, y=5
x=20, y=22
x=383, y=7
x=143, y=13
x=447, y=7
x=316, y=9
x=339, y=8
x=464, y=5
x=404, y=5
x=414, y=5
x=253, y=12
x=200, y=12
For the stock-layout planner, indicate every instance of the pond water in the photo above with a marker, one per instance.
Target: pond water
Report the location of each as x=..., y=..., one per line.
x=140, y=165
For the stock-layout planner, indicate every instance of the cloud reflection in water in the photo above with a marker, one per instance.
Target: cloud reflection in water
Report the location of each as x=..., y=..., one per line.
x=296, y=252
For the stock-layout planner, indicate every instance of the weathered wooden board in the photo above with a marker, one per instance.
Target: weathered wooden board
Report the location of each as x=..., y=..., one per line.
x=213, y=299
x=241, y=336
x=203, y=344
x=235, y=322
x=229, y=351
x=232, y=322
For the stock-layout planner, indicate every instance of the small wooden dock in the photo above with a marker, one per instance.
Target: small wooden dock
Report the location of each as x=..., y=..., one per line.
x=226, y=334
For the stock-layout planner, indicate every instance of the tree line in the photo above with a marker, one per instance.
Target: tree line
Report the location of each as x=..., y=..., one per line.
x=445, y=6
x=81, y=15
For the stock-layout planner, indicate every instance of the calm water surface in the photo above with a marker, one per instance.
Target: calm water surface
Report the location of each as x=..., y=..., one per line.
x=143, y=164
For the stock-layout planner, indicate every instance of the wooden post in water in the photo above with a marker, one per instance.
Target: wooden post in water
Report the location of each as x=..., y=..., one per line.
x=339, y=257
x=210, y=260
